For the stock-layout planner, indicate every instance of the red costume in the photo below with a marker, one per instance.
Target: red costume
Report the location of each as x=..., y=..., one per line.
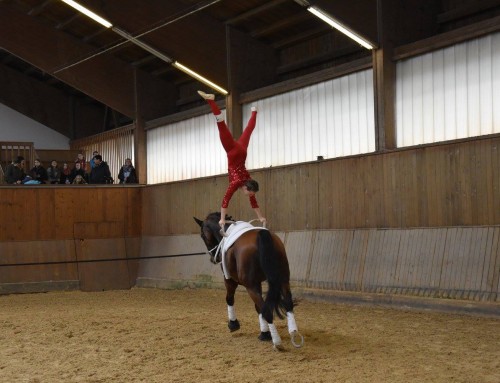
x=236, y=154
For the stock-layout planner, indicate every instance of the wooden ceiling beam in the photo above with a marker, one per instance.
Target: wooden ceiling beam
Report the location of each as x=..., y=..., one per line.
x=254, y=12
x=299, y=17
x=467, y=10
x=63, y=24
x=39, y=8
x=103, y=77
x=301, y=37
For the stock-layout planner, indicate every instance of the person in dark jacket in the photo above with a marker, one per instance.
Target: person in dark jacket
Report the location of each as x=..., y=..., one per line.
x=53, y=173
x=78, y=171
x=65, y=174
x=14, y=172
x=127, y=174
x=100, y=174
x=38, y=172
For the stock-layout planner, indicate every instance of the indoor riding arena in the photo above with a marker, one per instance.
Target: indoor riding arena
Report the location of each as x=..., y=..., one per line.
x=377, y=153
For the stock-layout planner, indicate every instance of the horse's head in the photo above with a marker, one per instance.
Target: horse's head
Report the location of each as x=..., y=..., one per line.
x=210, y=233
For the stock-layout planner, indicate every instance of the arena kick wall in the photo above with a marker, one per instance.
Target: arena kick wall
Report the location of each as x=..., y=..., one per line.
x=414, y=222
x=69, y=237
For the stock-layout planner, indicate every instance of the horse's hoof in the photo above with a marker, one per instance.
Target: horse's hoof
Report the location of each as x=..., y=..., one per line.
x=297, y=339
x=265, y=336
x=278, y=347
x=233, y=325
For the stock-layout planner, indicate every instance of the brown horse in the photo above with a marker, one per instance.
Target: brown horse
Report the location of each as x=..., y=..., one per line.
x=256, y=256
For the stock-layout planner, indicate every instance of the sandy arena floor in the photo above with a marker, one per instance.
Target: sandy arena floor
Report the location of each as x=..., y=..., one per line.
x=150, y=336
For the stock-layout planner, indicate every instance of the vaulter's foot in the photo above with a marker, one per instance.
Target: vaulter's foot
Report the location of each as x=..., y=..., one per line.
x=253, y=108
x=206, y=96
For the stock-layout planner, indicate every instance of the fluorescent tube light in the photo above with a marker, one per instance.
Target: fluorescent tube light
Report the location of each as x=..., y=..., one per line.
x=199, y=78
x=335, y=24
x=145, y=46
x=88, y=13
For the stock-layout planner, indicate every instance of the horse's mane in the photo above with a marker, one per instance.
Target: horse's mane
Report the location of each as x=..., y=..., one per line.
x=216, y=217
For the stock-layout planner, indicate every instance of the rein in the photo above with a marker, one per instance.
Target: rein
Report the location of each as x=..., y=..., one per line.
x=218, y=247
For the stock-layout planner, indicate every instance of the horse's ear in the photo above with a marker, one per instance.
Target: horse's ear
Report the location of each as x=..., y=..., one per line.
x=199, y=222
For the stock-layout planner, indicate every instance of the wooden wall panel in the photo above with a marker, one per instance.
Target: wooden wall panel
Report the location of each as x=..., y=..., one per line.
x=298, y=245
x=440, y=203
x=20, y=252
x=456, y=263
x=329, y=259
x=176, y=271
x=449, y=184
x=49, y=212
x=102, y=275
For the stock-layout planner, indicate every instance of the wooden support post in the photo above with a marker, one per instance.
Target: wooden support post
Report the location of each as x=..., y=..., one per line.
x=140, y=142
x=384, y=77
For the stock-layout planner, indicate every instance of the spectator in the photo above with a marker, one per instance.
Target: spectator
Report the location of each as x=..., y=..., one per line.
x=100, y=174
x=14, y=172
x=54, y=173
x=38, y=172
x=65, y=174
x=92, y=162
x=81, y=159
x=77, y=170
x=79, y=180
x=127, y=174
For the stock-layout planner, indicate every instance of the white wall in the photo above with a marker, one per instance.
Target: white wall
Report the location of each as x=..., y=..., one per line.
x=450, y=93
x=331, y=119
x=14, y=126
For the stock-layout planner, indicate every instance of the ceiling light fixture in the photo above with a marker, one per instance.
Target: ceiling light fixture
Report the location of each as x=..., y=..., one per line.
x=340, y=27
x=145, y=46
x=200, y=78
x=88, y=13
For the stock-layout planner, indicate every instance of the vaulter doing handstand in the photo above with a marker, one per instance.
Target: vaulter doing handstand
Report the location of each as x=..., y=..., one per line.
x=239, y=178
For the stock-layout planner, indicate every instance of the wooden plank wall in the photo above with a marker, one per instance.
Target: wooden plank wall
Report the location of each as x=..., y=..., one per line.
x=420, y=221
x=459, y=263
x=44, y=224
x=452, y=184
x=454, y=263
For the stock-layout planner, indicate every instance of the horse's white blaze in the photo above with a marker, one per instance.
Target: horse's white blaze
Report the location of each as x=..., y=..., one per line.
x=292, y=325
x=264, y=326
x=231, y=313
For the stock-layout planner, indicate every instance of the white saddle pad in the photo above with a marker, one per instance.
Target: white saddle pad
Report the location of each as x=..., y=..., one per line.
x=233, y=233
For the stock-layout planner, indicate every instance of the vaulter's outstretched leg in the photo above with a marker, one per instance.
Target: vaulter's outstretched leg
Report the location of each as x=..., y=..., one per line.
x=226, y=138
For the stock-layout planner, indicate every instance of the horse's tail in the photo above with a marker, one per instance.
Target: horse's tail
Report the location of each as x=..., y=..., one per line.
x=270, y=263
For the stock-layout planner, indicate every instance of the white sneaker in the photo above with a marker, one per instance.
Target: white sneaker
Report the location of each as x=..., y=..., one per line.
x=206, y=96
x=253, y=109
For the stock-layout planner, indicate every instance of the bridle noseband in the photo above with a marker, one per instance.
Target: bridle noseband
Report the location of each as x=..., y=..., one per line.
x=216, y=250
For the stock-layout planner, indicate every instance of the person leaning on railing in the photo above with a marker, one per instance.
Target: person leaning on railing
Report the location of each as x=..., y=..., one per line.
x=14, y=173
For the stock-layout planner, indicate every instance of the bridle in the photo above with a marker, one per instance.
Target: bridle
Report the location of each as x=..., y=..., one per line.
x=218, y=247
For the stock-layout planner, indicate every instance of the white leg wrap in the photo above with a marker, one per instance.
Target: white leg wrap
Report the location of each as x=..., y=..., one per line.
x=230, y=313
x=274, y=334
x=292, y=326
x=219, y=118
x=264, y=326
